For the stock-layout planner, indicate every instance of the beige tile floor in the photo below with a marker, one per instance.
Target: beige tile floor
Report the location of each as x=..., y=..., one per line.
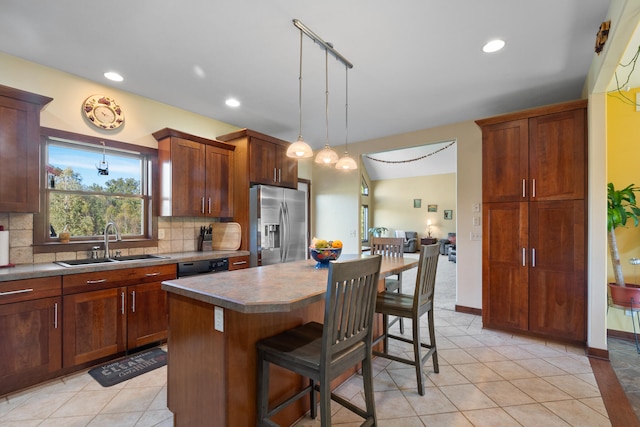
x=486, y=378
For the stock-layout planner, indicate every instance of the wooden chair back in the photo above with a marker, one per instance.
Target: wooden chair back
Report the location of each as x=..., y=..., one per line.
x=350, y=304
x=388, y=246
x=426, y=278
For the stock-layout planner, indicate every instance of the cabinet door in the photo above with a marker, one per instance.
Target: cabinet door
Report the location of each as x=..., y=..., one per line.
x=147, y=319
x=287, y=168
x=188, y=183
x=31, y=342
x=505, y=159
x=262, y=162
x=94, y=325
x=219, y=182
x=19, y=156
x=557, y=146
x=505, y=290
x=557, y=287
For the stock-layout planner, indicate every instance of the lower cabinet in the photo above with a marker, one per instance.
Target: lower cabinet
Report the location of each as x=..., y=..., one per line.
x=127, y=310
x=30, y=332
x=238, y=262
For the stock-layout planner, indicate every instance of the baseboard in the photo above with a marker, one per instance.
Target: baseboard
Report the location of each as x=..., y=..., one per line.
x=468, y=310
x=620, y=334
x=597, y=353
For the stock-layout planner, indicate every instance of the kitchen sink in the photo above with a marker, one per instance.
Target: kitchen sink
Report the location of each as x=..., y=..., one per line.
x=137, y=257
x=91, y=261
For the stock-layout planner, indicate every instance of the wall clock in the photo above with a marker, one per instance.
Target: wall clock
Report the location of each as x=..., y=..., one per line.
x=103, y=112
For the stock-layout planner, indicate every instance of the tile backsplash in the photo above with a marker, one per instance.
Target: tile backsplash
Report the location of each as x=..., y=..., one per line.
x=174, y=235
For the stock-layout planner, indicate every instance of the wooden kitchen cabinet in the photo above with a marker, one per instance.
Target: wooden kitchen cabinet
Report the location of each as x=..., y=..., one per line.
x=196, y=175
x=30, y=327
x=270, y=165
x=534, y=225
x=19, y=149
x=238, y=262
x=109, y=312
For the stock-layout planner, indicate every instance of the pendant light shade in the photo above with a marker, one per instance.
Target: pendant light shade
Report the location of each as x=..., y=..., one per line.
x=300, y=149
x=327, y=156
x=346, y=163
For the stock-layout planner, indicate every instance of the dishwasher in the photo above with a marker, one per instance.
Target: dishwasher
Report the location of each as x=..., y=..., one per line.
x=208, y=266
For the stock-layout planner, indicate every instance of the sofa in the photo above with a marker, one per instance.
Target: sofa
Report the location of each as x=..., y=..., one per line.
x=410, y=240
x=447, y=244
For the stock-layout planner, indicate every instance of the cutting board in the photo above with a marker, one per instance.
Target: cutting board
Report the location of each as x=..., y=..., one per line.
x=225, y=236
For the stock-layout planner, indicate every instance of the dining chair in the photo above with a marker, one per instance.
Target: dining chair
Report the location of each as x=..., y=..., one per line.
x=393, y=247
x=322, y=352
x=413, y=307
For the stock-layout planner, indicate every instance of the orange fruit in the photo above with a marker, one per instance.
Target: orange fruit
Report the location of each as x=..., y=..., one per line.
x=336, y=244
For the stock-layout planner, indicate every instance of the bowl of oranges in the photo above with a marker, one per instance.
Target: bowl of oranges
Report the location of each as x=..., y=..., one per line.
x=324, y=251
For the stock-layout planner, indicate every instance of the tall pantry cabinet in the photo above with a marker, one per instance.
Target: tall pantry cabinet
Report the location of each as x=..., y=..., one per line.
x=534, y=221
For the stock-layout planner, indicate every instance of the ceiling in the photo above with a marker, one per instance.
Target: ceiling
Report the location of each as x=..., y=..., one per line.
x=417, y=63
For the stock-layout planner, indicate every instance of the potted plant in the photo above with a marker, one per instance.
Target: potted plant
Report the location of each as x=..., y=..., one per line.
x=621, y=207
x=377, y=231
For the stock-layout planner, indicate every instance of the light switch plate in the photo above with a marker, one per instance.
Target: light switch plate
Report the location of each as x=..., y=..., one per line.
x=218, y=319
x=476, y=221
x=475, y=207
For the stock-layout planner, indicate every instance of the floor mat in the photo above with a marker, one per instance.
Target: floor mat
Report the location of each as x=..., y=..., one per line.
x=129, y=367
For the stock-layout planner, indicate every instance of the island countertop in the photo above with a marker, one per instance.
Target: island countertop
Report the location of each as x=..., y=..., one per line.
x=269, y=289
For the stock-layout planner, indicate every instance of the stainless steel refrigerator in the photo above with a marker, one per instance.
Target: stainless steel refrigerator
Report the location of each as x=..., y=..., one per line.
x=278, y=225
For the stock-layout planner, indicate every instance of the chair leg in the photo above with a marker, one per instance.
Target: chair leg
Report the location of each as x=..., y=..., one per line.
x=417, y=354
x=313, y=397
x=385, y=333
x=432, y=341
x=325, y=402
x=263, y=389
x=400, y=291
x=367, y=379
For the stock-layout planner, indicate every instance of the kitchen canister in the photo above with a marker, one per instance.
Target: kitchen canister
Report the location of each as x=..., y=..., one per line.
x=4, y=247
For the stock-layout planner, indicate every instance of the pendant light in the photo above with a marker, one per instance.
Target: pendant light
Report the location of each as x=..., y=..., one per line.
x=326, y=156
x=300, y=149
x=346, y=162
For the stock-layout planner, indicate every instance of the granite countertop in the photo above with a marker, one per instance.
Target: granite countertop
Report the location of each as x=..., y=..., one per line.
x=30, y=271
x=268, y=289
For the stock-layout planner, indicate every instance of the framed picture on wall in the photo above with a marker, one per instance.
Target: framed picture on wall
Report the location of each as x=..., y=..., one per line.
x=448, y=214
x=432, y=208
x=417, y=203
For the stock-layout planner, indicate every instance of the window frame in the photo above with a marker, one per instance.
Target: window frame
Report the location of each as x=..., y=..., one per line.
x=364, y=223
x=42, y=243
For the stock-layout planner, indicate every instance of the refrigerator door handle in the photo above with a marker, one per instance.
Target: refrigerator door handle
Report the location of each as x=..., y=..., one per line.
x=286, y=231
x=282, y=222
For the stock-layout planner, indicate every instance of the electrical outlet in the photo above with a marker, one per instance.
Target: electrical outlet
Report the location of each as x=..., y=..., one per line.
x=161, y=233
x=218, y=319
x=475, y=236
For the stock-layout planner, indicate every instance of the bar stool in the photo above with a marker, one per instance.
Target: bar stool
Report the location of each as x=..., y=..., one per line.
x=413, y=307
x=393, y=247
x=323, y=352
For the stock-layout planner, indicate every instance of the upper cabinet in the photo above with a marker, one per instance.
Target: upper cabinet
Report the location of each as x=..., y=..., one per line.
x=535, y=156
x=196, y=175
x=19, y=149
x=264, y=158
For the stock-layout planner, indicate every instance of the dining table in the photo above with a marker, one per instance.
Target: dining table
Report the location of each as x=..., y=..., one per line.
x=215, y=322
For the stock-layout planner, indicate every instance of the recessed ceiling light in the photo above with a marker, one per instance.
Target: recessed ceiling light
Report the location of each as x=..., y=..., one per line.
x=112, y=75
x=232, y=102
x=493, y=46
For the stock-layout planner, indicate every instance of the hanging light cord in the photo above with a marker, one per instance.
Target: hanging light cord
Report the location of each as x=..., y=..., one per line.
x=326, y=94
x=346, y=109
x=300, y=89
x=412, y=160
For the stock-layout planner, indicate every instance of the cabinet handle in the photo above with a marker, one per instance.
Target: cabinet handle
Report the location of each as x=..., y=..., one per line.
x=21, y=291
x=239, y=262
x=274, y=175
x=152, y=274
x=524, y=188
x=279, y=175
x=93, y=282
x=55, y=316
x=202, y=209
x=524, y=257
x=133, y=301
x=122, y=302
x=533, y=257
x=209, y=204
x=533, y=188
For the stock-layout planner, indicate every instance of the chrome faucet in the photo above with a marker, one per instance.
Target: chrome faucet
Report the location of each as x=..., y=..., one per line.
x=106, y=237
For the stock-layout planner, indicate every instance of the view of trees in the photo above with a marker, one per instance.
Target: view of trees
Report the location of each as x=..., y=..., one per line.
x=86, y=210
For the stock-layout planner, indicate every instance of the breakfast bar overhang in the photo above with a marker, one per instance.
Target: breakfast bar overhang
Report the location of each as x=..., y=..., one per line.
x=214, y=324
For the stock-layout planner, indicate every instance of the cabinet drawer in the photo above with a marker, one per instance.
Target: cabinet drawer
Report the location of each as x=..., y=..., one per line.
x=29, y=289
x=84, y=282
x=238, y=262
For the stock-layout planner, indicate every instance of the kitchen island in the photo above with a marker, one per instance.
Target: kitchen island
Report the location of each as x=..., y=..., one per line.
x=214, y=324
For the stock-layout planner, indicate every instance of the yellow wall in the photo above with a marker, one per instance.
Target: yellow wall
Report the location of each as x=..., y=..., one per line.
x=394, y=204
x=623, y=168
